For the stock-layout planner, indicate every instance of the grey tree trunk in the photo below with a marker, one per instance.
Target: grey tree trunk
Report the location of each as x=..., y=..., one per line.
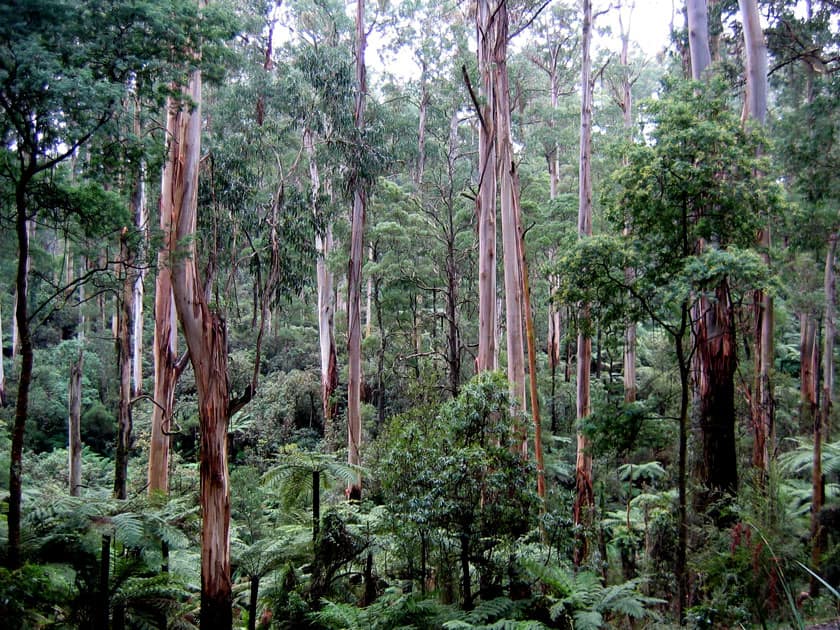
x=756, y=109
x=584, y=494
x=698, y=37
x=354, y=276
x=486, y=197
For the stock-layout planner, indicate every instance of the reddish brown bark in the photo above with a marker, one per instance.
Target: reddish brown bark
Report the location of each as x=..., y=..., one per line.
x=715, y=468
x=205, y=335
x=165, y=334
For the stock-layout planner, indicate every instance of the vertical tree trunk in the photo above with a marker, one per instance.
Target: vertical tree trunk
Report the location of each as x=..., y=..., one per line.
x=808, y=371
x=626, y=105
x=141, y=223
x=510, y=236
x=354, y=276
x=324, y=281
x=821, y=419
x=584, y=495
x=2, y=366
x=716, y=467
x=25, y=378
x=756, y=108
x=206, y=340
x=453, y=340
x=421, y=126
x=74, y=424
x=698, y=37
x=683, y=362
x=486, y=198
x=123, y=347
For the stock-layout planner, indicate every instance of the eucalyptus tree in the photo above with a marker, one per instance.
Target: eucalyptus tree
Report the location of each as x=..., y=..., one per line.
x=756, y=108
x=584, y=496
x=360, y=190
x=86, y=53
x=319, y=56
x=662, y=189
x=807, y=134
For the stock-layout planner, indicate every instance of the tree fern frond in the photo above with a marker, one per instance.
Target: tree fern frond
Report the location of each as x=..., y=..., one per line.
x=588, y=620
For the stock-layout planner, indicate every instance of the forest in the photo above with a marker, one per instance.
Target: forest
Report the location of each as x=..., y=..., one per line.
x=420, y=314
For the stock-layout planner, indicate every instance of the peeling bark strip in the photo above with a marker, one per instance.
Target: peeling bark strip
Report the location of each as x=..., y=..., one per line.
x=165, y=336
x=205, y=335
x=509, y=195
x=715, y=338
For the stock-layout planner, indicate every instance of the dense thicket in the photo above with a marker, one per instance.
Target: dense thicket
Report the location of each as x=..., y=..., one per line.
x=266, y=344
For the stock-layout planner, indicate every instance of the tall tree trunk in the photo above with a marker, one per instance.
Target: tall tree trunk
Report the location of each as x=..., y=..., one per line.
x=716, y=467
x=206, y=340
x=74, y=450
x=123, y=347
x=584, y=495
x=453, y=340
x=683, y=362
x=26, y=363
x=421, y=126
x=821, y=419
x=165, y=334
x=2, y=366
x=486, y=198
x=510, y=236
x=756, y=108
x=698, y=37
x=324, y=281
x=354, y=276
x=626, y=106
x=141, y=223
x=808, y=371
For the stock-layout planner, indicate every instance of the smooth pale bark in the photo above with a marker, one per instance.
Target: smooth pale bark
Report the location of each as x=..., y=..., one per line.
x=584, y=493
x=206, y=340
x=485, y=200
x=123, y=347
x=354, y=276
x=822, y=419
x=368, y=297
x=698, y=37
x=15, y=335
x=510, y=236
x=324, y=281
x=165, y=334
x=141, y=223
x=756, y=109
